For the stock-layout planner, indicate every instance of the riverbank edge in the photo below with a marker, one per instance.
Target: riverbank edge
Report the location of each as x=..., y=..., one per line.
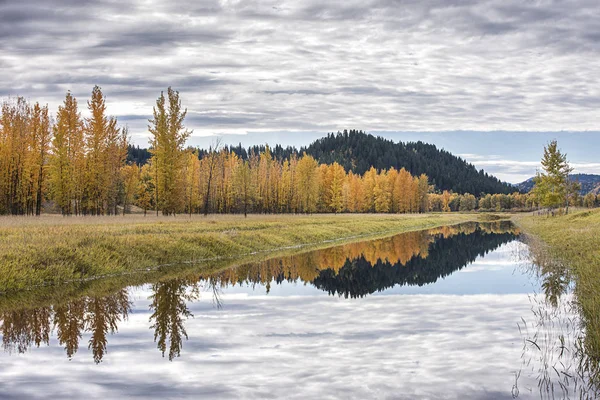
x=574, y=240
x=62, y=253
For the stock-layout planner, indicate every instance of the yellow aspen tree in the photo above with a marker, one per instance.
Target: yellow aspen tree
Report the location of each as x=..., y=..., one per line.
x=275, y=185
x=96, y=131
x=446, y=198
x=42, y=131
x=392, y=175
x=293, y=197
x=67, y=162
x=244, y=189
x=130, y=176
x=5, y=154
x=402, y=191
x=16, y=160
x=307, y=183
x=145, y=192
x=191, y=180
x=231, y=162
x=117, y=141
x=369, y=182
x=285, y=191
x=435, y=202
x=264, y=178
x=337, y=177
x=381, y=194
x=422, y=193
x=209, y=165
x=356, y=194
x=168, y=136
x=324, y=192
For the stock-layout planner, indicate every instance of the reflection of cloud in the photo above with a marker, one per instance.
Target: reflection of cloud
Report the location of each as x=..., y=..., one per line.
x=411, y=346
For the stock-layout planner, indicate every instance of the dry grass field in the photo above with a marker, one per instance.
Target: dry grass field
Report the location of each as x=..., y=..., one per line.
x=53, y=249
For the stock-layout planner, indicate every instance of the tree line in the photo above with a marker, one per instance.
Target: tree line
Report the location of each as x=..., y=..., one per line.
x=81, y=165
x=74, y=161
x=86, y=166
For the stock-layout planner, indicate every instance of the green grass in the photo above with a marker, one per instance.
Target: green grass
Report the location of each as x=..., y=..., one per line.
x=575, y=240
x=53, y=249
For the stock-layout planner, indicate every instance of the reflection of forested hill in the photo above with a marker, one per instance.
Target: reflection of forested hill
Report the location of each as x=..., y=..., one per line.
x=352, y=270
x=357, y=269
x=358, y=277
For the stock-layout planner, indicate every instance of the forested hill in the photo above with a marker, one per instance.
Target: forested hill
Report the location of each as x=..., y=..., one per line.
x=358, y=151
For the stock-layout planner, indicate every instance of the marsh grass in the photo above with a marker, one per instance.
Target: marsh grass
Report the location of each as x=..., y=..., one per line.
x=53, y=249
x=573, y=241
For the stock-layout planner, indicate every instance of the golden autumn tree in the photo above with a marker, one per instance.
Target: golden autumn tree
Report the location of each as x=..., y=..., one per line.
x=337, y=180
x=96, y=132
x=244, y=190
x=15, y=156
x=381, y=194
x=130, y=176
x=145, y=188
x=168, y=136
x=402, y=191
x=324, y=191
x=42, y=135
x=307, y=183
x=446, y=198
x=422, y=193
x=209, y=168
x=105, y=154
x=67, y=162
x=369, y=180
x=191, y=172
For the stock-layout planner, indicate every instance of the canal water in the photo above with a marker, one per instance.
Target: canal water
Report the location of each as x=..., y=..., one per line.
x=458, y=312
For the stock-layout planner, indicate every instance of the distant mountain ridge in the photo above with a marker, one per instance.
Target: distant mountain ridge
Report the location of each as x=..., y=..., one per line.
x=589, y=183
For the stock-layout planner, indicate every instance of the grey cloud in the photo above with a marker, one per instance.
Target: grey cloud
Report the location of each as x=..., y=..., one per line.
x=276, y=65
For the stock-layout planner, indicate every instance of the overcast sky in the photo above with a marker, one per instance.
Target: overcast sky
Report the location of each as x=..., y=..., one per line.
x=306, y=68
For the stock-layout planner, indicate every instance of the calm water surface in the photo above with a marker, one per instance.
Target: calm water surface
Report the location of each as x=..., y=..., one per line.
x=449, y=313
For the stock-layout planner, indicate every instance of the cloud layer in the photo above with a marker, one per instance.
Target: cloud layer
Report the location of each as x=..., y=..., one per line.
x=308, y=66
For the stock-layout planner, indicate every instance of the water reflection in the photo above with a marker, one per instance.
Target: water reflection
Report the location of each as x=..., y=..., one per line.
x=359, y=269
x=169, y=310
x=352, y=270
x=24, y=328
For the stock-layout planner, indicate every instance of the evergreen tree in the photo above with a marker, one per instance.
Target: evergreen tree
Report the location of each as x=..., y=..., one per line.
x=552, y=187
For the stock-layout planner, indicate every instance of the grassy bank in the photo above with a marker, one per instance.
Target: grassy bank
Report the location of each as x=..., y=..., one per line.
x=52, y=249
x=575, y=239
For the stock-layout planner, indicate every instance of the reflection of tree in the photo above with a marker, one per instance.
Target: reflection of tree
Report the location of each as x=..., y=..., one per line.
x=366, y=261
x=169, y=303
x=359, y=277
x=99, y=315
x=23, y=328
x=102, y=318
x=352, y=270
x=70, y=323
